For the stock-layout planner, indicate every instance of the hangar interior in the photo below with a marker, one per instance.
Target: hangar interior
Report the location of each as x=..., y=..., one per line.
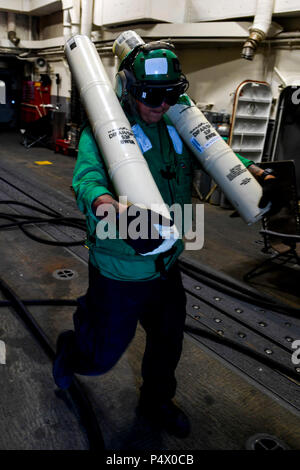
x=236, y=399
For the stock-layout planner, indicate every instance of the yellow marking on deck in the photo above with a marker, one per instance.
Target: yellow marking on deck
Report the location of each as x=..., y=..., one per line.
x=44, y=162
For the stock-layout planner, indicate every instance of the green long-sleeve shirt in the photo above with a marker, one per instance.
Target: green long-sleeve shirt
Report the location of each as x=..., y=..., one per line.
x=164, y=152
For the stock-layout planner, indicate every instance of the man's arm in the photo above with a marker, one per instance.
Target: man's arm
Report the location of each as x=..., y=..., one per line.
x=254, y=169
x=90, y=179
x=108, y=199
x=271, y=186
x=257, y=172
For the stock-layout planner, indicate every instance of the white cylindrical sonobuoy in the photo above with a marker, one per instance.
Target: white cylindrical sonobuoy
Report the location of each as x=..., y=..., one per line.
x=218, y=159
x=124, y=161
x=126, y=43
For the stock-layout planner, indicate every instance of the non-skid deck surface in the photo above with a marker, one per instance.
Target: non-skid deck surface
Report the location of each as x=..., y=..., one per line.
x=224, y=407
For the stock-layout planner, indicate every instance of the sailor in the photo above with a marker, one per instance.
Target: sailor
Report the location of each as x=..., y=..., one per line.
x=133, y=279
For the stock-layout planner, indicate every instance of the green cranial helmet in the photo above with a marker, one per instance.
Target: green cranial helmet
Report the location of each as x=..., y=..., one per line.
x=156, y=65
x=150, y=73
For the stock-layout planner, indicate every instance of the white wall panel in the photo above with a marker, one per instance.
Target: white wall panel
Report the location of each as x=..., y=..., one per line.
x=110, y=12
x=199, y=10
x=215, y=73
x=34, y=7
x=22, y=27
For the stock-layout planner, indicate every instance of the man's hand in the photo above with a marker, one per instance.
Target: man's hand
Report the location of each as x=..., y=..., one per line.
x=272, y=192
x=272, y=189
x=140, y=228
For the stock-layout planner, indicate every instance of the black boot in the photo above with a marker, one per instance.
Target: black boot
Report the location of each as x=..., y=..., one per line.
x=166, y=415
x=62, y=365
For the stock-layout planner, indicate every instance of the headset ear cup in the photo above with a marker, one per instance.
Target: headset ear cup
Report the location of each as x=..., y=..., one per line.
x=129, y=80
x=120, y=85
x=124, y=83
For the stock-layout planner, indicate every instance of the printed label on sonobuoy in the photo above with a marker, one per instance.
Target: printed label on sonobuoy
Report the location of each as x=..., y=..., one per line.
x=245, y=181
x=205, y=132
x=202, y=148
x=124, y=135
x=205, y=129
x=237, y=170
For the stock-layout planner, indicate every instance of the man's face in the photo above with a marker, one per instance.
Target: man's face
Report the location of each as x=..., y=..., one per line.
x=151, y=115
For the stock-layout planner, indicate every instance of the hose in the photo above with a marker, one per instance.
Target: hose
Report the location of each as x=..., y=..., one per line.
x=28, y=195
x=87, y=415
x=206, y=275
x=188, y=329
x=54, y=218
x=42, y=302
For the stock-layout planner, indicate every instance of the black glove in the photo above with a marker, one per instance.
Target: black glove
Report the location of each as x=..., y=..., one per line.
x=137, y=228
x=273, y=191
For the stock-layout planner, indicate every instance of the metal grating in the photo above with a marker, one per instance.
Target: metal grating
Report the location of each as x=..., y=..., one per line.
x=64, y=274
x=254, y=336
x=265, y=442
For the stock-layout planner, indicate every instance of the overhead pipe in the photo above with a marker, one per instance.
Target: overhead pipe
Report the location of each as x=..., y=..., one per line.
x=67, y=31
x=71, y=18
x=259, y=29
x=86, y=17
x=75, y=17
x=11, y=28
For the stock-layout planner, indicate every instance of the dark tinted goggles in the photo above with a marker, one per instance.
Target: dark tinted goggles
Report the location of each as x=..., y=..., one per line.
x=154, y=95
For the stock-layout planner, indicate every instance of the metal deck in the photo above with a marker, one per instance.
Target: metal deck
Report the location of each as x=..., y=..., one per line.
x=230, y=391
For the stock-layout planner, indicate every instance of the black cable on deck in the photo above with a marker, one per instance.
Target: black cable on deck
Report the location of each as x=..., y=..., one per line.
x=86, y=412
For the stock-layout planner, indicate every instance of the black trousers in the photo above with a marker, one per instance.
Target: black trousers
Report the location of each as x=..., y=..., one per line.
x=106, y=320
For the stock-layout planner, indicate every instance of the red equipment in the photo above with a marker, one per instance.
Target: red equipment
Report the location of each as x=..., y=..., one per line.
x=34, y=98
x=62, y=146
